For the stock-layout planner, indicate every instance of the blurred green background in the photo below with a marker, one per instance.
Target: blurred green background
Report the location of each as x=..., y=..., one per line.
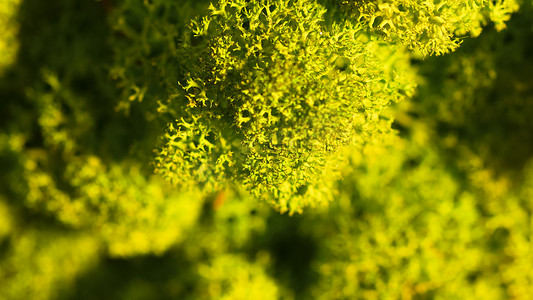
x=441, y=210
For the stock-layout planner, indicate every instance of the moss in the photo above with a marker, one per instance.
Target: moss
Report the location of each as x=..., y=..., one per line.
x=280, y=149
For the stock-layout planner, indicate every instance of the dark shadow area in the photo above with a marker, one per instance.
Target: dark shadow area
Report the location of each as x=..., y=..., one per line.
x=292, y=252
x=147, y=277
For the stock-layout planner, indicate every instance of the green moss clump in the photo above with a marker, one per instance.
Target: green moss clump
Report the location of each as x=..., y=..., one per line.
x=430, y=27
x=275, y=93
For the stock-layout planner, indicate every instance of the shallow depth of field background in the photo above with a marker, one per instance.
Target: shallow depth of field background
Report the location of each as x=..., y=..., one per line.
x=439, y=209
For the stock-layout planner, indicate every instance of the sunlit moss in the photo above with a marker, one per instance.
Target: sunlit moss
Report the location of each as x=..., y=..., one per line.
x=430, y=27
x=40, y=264
x=233, y=277
x=275, y=93
x=133, y=214
x=390, y=192
x=403, y=227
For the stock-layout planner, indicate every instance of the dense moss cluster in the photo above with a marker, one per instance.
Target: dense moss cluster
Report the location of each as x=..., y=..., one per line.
x=275, y=91
x=430, y=27
x=281, y=149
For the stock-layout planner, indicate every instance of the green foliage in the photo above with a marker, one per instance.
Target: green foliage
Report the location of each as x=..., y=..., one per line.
x=480, y=96
x=429, y=27
x=275, y=92
x=6, y=222
x=60, y=170
x=405, y=228
x=8, y=32
x=145, y=45
x=40, y=263
x=116, y=201
x=154, y=156
x=231, y=277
